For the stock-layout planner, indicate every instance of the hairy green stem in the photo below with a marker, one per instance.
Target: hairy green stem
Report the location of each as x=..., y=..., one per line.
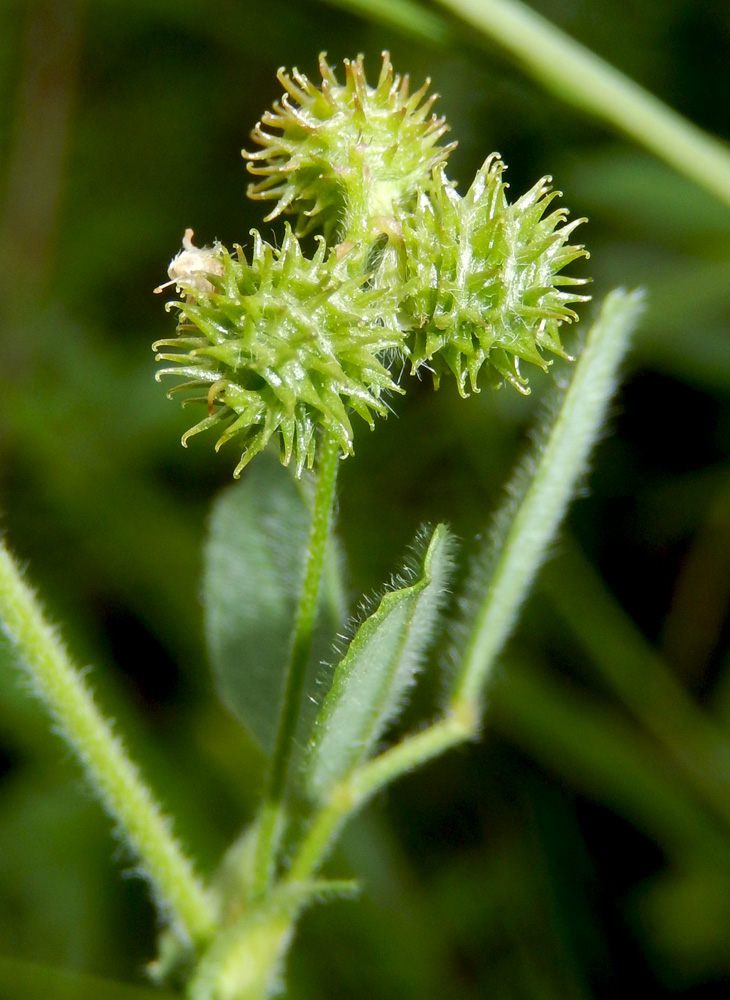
x=126, y=798
x=560, y=462
x=329, y=456
x=585, y=80
x=367, y=779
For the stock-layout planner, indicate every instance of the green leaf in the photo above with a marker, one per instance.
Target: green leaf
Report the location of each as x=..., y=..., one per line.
x=253, y=567
x=380, y=665
x=538, y=496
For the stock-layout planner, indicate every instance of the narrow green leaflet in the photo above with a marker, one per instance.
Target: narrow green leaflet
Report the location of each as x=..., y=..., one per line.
x=253, y=566
x=538, y=496
x=380, y=664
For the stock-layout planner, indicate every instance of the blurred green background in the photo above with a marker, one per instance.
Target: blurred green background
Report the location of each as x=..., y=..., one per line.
x=583, y=848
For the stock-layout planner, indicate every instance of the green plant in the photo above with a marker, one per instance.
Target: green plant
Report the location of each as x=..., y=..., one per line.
x=405, y=268
x=285, y=345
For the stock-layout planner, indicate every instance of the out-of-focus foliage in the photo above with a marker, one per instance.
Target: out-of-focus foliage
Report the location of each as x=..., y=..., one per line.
x=584, y=846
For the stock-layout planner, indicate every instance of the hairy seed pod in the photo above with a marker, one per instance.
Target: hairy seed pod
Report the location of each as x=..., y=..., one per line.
x=486, y=288
x=282, y=345
x=341, y=155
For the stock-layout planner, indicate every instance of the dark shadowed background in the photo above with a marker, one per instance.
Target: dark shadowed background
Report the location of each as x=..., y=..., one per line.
x=583, y=848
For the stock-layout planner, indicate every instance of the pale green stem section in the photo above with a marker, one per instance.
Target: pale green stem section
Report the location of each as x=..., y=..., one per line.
x=114, y=778
x=367, y=779
x=585, y=80
x=561, y=461
x=243, y=961
x=329, y=457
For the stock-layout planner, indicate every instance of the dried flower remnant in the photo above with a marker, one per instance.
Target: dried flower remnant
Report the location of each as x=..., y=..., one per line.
x=193, y=266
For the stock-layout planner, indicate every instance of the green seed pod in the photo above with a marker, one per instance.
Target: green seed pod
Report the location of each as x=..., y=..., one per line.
x=279, y=345
x=347, y=153
x=406, y=269
x=485, y=278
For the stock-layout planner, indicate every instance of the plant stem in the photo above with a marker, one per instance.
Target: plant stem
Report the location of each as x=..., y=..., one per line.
x=552, y=475
x=367, y=779
x=585, y=80
x=114, y=777
x=329, y=456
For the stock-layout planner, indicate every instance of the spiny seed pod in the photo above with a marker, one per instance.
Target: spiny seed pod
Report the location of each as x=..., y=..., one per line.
x=406, y=270
x=485, y=278
x=347, y=153
x=280, y=345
